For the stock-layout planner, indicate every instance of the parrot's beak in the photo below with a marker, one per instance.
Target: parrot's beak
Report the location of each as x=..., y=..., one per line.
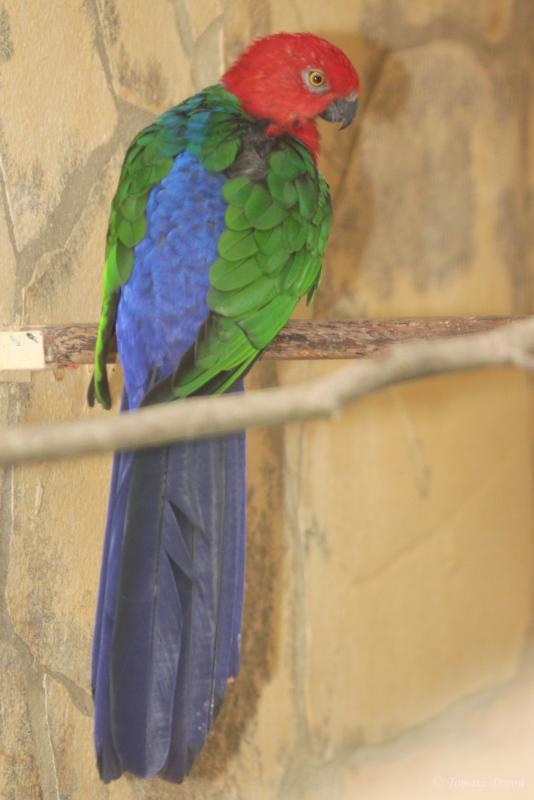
x=342, y=110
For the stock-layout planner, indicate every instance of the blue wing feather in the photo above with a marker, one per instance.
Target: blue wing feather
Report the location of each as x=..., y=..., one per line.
x=163, y=304
x=169, y=613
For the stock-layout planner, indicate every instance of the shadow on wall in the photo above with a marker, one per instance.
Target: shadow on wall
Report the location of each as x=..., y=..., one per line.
x=341, y=163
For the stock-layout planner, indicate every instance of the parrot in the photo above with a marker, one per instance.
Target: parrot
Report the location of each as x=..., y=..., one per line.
x=217, y=229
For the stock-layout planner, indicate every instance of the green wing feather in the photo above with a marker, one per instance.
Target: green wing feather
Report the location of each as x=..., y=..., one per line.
x=270, y=254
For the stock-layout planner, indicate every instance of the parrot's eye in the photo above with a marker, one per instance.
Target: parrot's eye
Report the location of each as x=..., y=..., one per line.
x=316, y=79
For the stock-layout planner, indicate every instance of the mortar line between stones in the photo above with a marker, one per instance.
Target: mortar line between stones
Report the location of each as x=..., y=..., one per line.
x=101, y=48
x=7, y=518
x=80, y=699
x=49, y=735
x=7, y=209
x=183, y=26
x=216, y=25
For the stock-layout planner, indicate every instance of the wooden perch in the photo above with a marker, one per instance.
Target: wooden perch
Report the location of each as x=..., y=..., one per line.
x=59, y=345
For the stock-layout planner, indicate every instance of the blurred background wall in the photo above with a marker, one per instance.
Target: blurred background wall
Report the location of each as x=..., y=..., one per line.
x=390, y=553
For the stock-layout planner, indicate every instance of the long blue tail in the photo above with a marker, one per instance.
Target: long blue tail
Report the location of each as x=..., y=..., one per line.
x=167, y=632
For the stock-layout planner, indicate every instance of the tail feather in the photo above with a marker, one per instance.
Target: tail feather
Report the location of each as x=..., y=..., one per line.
x=110, y=557
x=211, y=515
x=167, y=632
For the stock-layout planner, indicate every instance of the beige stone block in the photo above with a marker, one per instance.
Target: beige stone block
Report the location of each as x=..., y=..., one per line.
x=416, y=513
x=19, y=775
x=148, y=60
x=425, y=215
x=67, y=110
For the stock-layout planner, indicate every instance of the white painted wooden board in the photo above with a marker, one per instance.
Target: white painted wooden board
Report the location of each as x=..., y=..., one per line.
x=22, y=350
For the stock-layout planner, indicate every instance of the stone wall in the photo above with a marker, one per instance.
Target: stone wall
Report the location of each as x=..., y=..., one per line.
x=390, y=553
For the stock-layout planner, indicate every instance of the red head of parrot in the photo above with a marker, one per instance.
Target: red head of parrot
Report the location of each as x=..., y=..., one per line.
x=290, y=79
